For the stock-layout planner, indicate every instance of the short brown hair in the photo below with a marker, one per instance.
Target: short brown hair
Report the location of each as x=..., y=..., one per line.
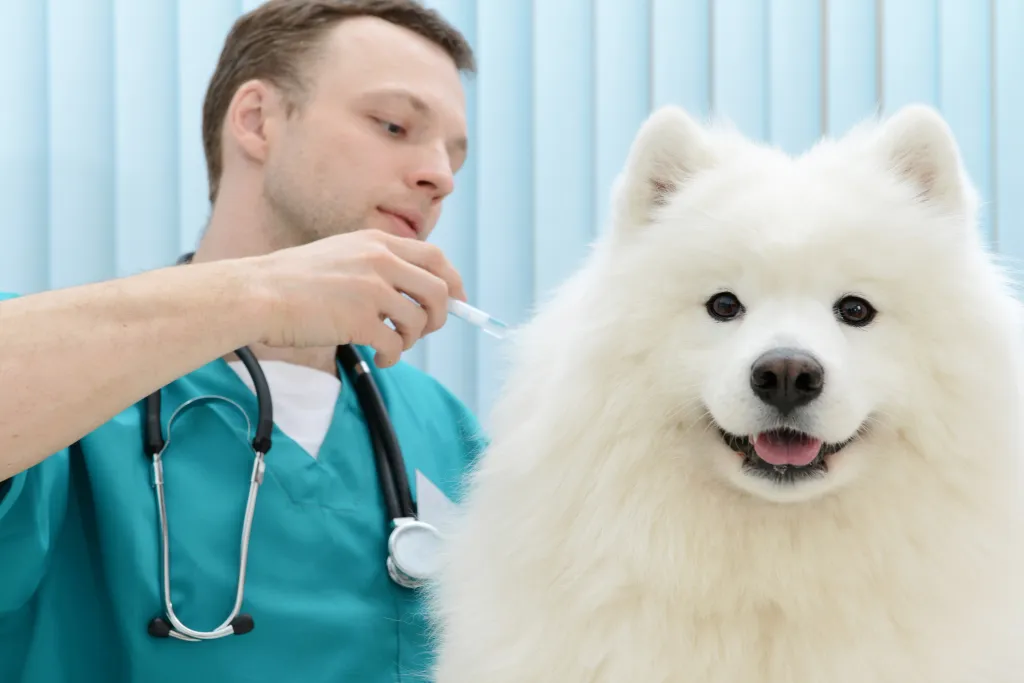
x=272, y=41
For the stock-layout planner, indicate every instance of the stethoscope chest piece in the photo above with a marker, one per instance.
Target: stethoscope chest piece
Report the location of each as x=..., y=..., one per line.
x=414, y=552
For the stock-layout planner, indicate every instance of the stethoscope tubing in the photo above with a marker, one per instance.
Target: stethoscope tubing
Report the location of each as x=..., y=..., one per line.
x=390, y=462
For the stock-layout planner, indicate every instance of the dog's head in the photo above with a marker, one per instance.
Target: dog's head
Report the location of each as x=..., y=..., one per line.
x=806, y=312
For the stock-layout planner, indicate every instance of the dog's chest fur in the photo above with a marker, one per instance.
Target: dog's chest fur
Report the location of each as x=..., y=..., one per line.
x=859, y=593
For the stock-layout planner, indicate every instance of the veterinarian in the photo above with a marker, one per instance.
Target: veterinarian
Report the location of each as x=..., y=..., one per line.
x=142, y=416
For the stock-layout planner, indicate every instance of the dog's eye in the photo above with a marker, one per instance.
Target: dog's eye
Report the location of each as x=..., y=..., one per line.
x=724, y=306
x=855, y=311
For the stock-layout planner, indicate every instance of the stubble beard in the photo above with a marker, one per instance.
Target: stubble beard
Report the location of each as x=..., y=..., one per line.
x=296, y=221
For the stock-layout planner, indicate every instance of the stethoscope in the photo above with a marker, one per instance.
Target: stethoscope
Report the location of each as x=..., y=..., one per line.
x=412, y=544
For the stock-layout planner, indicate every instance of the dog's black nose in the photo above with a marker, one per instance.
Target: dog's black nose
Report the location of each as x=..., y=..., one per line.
x=787, y=378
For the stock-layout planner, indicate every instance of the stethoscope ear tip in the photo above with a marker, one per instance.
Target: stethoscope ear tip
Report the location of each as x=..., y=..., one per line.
x=242, y=624
x=159, y=628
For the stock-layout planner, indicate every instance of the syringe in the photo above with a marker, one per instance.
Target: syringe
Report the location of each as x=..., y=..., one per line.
x=475, y=316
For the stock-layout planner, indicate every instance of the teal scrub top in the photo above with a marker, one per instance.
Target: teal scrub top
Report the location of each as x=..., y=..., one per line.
x=80, y=572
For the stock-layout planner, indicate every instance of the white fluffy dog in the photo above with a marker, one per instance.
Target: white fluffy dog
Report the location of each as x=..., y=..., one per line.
x=768, y=433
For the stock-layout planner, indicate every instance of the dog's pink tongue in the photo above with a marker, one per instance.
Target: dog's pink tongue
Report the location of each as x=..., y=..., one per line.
x=786, y=451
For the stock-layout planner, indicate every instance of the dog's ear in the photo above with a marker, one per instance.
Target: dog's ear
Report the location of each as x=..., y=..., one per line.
x=669, y=149
x=918, y=147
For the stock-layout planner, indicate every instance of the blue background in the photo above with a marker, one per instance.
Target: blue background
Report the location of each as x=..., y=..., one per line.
x=102, y=166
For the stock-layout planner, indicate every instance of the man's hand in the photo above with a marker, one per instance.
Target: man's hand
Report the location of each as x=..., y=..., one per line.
x=341, y=289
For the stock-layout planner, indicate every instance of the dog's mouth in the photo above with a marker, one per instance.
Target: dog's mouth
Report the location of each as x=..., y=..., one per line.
x=783, y=455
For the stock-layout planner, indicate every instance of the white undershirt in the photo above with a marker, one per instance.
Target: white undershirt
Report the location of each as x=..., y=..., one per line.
x=304, y=400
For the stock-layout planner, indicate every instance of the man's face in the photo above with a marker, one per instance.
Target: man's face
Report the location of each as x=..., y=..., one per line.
x=375, y=143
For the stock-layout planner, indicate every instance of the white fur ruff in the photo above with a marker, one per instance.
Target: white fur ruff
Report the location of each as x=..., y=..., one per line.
x=610, y=535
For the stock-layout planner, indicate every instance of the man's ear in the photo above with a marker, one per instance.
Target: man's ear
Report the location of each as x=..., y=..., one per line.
x=669, y=149
x=250, y=119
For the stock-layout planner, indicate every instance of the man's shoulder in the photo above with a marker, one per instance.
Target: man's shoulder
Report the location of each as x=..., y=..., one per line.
x=406, y=377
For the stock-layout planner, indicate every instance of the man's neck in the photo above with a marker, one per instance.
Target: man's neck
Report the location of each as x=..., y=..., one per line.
x=238, y=230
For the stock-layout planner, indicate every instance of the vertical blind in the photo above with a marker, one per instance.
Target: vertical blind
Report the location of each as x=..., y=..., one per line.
x=102, y=166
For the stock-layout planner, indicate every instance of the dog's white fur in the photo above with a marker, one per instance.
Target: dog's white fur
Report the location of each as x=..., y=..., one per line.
x=610, y=535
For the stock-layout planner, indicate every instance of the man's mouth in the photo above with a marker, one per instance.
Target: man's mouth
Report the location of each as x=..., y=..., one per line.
x=782, y=455
x=405, y=224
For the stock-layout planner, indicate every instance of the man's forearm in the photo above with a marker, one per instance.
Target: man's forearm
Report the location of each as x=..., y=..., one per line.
x=72, y=359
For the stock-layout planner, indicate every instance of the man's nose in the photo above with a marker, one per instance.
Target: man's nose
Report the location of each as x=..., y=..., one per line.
x=434, y=173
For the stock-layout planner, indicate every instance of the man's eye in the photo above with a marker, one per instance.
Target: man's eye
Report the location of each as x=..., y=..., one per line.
x=392, y=128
